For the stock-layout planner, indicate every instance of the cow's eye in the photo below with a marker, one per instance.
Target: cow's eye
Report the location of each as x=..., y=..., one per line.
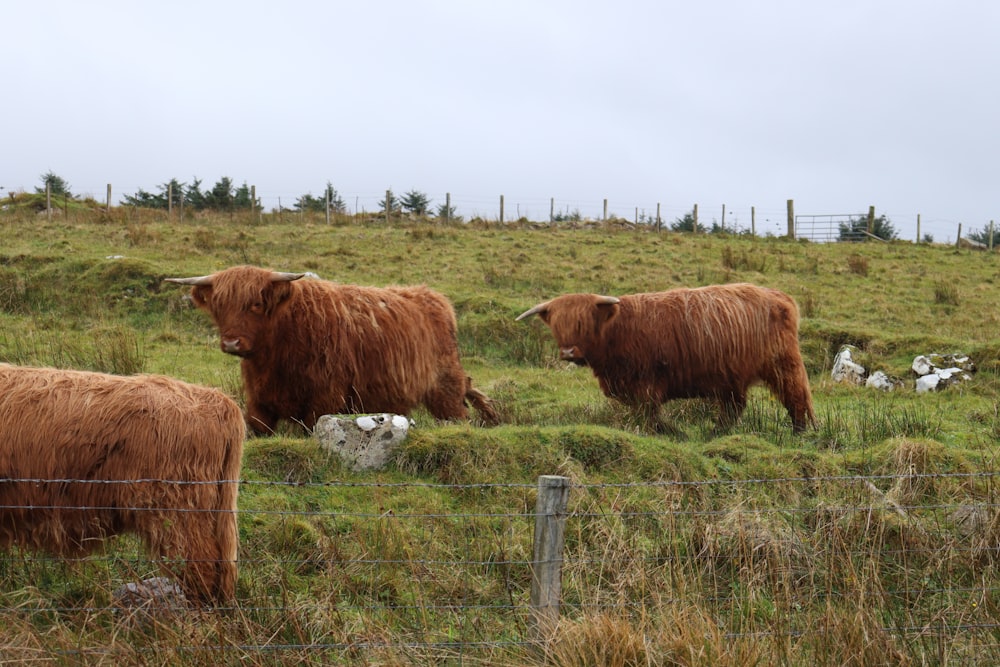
x=257, y=307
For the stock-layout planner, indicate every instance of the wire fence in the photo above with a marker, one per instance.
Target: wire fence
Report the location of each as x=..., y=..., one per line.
x=425, y=571
x=768, y=220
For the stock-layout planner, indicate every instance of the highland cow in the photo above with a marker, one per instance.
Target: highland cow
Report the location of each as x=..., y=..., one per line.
x=312, y=347
x=87, y=456
x=712, y=342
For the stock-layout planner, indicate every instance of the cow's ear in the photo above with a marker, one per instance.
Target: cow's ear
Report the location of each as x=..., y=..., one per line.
x=278, y=292
x=605, y=313
x=200, y=294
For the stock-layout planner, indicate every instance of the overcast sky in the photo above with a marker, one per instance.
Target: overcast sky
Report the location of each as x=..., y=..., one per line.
x=837, y=105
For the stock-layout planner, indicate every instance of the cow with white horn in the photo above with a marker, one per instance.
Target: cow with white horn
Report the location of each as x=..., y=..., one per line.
x=712, y=342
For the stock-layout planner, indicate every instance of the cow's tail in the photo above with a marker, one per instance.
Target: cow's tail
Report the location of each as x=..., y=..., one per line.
x=482, y=403
x=226, y=529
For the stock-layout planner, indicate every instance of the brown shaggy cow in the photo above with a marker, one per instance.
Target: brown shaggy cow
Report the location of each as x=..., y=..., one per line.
x=312, y=347
x=712, y=342
x=86, y=456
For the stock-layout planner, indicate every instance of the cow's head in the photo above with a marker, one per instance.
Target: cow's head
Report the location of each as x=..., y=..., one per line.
x=241, y=301
x=576, y=321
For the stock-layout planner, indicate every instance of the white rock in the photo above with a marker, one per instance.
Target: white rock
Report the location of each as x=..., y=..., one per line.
x=879, y=380
x=922, y=365
x=927, y=383
x=158, y=592
x=367, y=442
x=845, y=369
x=367, y=423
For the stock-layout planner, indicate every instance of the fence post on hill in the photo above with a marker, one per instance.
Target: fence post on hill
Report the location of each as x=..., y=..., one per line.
x=501, y=209
x=694, y=217
x=989, y=243
x=107, y=206
x=791, y=219
x=753, y=221
x=447, y=207
x=659, y=220
x=871, y=221
x=604, y=217
x=546, y=566
x=918, y=229
x=48, y=201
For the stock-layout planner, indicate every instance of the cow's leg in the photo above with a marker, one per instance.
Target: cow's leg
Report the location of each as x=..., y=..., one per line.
x=731, y=407
x=791, y=387
x=188, y=548
x=260, y=420
x=446, y=400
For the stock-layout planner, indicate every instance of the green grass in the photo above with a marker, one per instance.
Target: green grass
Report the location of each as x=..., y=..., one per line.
x=676, y=552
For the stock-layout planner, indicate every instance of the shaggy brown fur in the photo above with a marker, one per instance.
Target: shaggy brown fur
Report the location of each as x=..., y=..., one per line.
x=712, y=342
x=312, y=347
x=132, y=444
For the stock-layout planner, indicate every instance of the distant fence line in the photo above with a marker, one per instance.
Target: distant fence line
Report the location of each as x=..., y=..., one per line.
x=579, y=529
x=814, y=227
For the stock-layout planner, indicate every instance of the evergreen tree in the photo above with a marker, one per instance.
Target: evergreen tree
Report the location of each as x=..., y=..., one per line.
x=56, y=184
x=686, y=224
x=446, y=212
x=856, y=229
x=194, y=198
x=390, y=204
x=415, y=202
x=242, y=199
x=220, y=197
x=143, y=199
x=337, y=204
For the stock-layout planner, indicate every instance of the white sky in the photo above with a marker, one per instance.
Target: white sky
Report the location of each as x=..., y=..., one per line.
x=837, y=105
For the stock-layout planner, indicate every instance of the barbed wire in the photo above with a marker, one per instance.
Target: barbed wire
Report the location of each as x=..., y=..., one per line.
x=578, y=558
x=517, y=485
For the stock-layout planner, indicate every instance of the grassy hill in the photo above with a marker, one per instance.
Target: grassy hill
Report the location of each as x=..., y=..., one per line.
x=750, y=570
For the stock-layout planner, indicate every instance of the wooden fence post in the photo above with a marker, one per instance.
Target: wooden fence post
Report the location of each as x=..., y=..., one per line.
x=552, y=210
x=170, y=199
x=990, y=242
x=108, y=206
x=694, y=214
x=48, y=201
x=604, y=218
x=958, y=238
x=918, y=229
x=501, y=209
x=447, y=207
x=659, y=220
x=546, y=567
x=753, y=221
x=791, y=219
x=871, y=222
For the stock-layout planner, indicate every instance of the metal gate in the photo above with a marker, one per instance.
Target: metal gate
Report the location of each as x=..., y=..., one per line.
x=823, y=228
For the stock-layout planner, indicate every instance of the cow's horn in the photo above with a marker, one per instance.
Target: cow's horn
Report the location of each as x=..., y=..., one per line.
x=199, y=280
x=606, y=300
x=540, y=308
x=279, y=277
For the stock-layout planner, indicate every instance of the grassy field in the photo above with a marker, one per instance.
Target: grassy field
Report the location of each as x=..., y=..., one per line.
x=871, y=540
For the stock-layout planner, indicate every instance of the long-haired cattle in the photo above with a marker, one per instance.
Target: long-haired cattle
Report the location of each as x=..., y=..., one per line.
x=313, y=347
x=711, y=342
x=86, y=456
